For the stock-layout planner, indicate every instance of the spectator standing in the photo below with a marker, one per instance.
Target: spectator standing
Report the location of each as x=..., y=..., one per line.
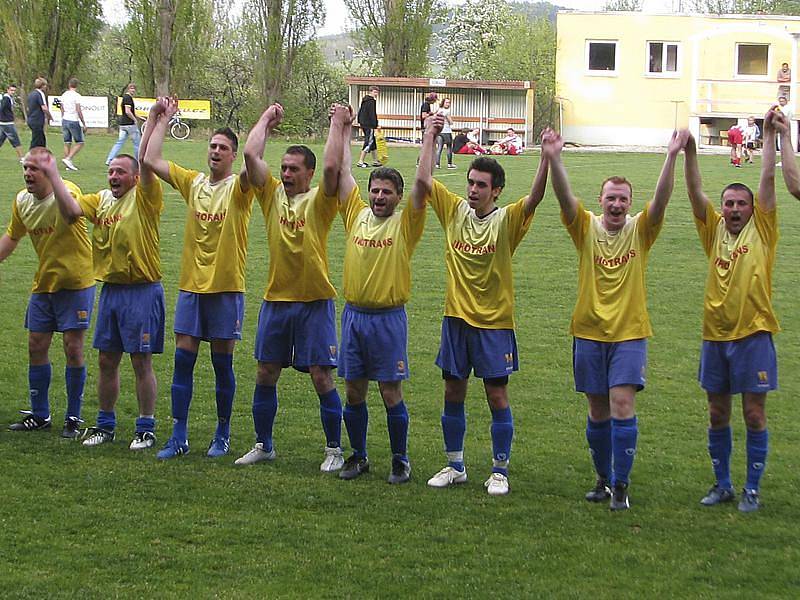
x=368, y=119
x=128, y=124
x=446, y=136
x=38, y=112
x=8, y=130
x=784, y=79
x=73, y=125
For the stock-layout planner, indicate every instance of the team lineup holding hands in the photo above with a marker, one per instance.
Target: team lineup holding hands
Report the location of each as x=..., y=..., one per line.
x=112, y=236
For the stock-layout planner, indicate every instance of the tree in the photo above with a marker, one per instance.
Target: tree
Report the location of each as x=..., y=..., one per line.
x=752, y=7
x=398, y=32
x=623, y=5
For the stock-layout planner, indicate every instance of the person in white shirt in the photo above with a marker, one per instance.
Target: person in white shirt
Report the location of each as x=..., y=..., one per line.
x=73, y=124
x=751, y=135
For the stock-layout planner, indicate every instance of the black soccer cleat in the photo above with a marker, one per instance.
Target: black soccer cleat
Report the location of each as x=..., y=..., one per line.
x=30, y=422
x=619, y=497
x=354, y=467
x=600, y=493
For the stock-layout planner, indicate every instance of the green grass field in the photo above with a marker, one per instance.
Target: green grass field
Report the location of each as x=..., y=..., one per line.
x=109, y=522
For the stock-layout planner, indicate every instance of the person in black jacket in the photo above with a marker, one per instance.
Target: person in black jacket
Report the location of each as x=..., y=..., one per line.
x=368, y=119
x=8, y=130
x=38, y=113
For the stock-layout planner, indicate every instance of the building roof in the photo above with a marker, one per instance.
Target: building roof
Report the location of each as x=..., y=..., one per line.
x=425, y=82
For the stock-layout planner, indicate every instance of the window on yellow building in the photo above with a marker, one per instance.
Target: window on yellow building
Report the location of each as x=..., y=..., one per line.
x=752, y=59
x=601, y=56
x=662, y=57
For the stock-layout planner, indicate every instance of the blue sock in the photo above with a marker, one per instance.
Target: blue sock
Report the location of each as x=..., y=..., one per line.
x=454, y=426
x=757, y=448
x=623, y=447
x=356, y=419
x=226, y=390
x=107, y=419
x=330, y=413
x=598, y=434
x=720, y=443
x=265, y=407
x=502, y=434
x=144, y=424
x=397, y=424
x=182, y=380
x=76, y=379
x=39, y=385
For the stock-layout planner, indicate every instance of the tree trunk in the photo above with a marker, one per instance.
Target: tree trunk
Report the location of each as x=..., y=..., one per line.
x=167, y=10
x=394, y=51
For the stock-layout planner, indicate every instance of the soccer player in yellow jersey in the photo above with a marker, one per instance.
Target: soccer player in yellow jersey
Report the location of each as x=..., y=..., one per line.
x=610, y=325
x=377, y=285
x=296, y=323
x=210, y=302
x=478, y=324
x=791, y=174
x=130, y=315
x=63, y=287
x=738, y=356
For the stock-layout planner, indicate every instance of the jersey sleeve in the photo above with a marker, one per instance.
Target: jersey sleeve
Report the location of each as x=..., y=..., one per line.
x=351, y=208
x=16, y=228
x=767, y=225
x=518, y=222
x=150, y=197
x=326, y=206
x=89, y=204
x=240, y=197
x=265, y=195
x=182, y=179
x=413, y=224
x=707, y=231
x=647, y=231
x=579, y=226
x=443, y=201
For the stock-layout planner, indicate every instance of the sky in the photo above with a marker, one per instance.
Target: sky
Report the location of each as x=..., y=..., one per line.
x=337, y=17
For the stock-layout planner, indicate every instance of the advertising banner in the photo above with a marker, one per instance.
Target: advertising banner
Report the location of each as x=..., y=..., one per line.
x=94, y=108
x=189, y=109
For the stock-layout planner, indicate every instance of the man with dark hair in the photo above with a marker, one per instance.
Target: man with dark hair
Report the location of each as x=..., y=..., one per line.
x=63, y=287
x=210, y=302
x=377, y=285
x=8, y=131
x=738, y=355
x=130, y=317
x=610, y=324
x=38, y=113
x=73, y=125
x=297, y=322
x=368, y=119
x=128, y=124
x=478, y=324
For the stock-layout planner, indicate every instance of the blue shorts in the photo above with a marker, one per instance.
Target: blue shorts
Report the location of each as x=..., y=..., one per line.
x=130, y=318
x=72, y=132
x=60, y=311
x=297, y=334
x=374, y=344
x=746, y=365
x=216, y=316
x=600, y=366
x=491, y=353
x=9, y=132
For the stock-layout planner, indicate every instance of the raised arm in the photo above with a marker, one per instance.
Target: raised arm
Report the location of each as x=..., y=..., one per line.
x=791, y=174
x=164, y=108
x=255, y=165
x=67, y=205
x=538, y=187
x=346, y=180
x=766, y=183
x=423, y=182
x=552, y=144
x=666, y=180
x=146, y=174
x=332, y=155
x=694, y=184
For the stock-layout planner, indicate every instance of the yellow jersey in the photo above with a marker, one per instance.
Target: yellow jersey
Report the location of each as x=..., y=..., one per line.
x=612, y=296
x=377, y=257
x=215, y=234
x=738, y=298
x=64, y=249
x=480, y=281
x=297, y=232
x=125, y=235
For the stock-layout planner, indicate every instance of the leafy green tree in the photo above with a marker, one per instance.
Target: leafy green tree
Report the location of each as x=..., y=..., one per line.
x=623, y=5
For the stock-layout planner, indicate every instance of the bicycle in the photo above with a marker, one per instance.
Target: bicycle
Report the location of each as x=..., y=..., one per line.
x=178, y=129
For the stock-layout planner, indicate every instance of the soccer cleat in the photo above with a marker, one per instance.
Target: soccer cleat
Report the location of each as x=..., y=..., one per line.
x=496, y=485
x=619, y=497
x=401, y=471
x=143, y=440
x=447, y=477
x=749, y=501
x=256, y=455
x=219, y=446
x=333, y=460
x=94, y=436
x=72, y=428
x=354, y=466
x=362, y=165
x=718, y=495
x=30, y=422
x=600, y=493
x=172, y=449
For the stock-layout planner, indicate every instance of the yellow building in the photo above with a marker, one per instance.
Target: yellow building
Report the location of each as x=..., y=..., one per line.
x=627, y=78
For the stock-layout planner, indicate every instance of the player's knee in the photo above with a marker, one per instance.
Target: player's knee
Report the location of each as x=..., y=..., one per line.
x=73, y=350
x=142, y=365
x=37, y=348
x=755, y=418
x=718, y=415
x=267, y=374
x=322, y=378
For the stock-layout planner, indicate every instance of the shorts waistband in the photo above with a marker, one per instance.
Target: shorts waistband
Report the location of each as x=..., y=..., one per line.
x=375, y=311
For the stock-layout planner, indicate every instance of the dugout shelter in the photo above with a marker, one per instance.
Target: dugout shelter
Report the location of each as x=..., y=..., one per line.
x=491, y=106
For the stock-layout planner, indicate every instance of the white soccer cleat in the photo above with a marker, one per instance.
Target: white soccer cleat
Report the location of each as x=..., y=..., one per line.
x=143, y=440
x=334, y=460
x=447, y=477
x=497, y=484
x=256, y=455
